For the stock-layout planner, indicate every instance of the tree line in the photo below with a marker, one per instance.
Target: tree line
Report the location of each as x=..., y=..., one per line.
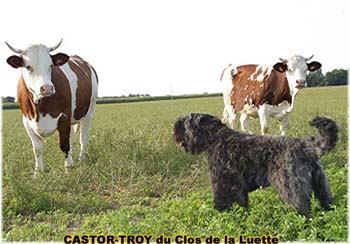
x=336, y=77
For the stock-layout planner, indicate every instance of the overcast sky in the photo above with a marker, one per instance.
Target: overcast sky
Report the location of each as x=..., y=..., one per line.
x=180, y=47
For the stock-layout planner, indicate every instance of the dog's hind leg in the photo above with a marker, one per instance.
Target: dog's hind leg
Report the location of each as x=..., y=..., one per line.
x=294, y=185
x=302, y=200
x=299, y=196
x=320, y=186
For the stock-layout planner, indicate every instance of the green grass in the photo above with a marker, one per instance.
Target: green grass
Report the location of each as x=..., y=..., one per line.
x=136, y=181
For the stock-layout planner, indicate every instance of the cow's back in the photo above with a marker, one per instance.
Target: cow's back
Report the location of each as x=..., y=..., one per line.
x=84, y=92
x=83, y=85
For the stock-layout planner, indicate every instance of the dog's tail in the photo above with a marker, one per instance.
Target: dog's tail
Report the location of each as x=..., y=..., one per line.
x=328, y=134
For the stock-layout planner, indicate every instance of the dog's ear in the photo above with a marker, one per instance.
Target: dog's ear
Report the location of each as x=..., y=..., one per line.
x=205, y=119
x=210, y=120
x=192, y=122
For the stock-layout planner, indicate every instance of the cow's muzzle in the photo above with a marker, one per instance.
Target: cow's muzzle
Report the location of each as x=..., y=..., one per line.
x=47, y=90
x=300, y=84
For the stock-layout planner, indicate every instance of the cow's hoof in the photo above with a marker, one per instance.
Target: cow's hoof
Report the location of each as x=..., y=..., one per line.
x=38, y=174
x=82, y=157
x=68, y=163
x=67, y=170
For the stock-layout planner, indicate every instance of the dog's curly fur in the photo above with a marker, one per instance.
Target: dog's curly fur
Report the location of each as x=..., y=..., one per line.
x=240, y=163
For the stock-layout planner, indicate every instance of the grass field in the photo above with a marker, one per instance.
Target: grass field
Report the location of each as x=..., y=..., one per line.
x=136, y=181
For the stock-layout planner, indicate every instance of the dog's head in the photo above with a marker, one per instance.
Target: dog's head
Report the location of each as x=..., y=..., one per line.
x=195, y=132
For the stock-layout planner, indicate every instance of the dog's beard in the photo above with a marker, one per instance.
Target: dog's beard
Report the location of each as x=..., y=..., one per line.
x=181, y=141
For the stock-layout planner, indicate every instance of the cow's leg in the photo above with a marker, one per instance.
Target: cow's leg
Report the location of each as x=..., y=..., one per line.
x=84, y=130
x=73, y=133
x=284, y=125
x=37, y=146
x=69, y=159
x=84, y=134
x=229, y=113
x=225, y=115
x=230, y=116
x=264, y=118
x=86, y=121
x=64, y=129
x=233, y=122
x=245, y=123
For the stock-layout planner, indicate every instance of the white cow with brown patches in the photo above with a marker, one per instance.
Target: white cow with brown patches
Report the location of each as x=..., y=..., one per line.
x=264, y=91
x=55, y=92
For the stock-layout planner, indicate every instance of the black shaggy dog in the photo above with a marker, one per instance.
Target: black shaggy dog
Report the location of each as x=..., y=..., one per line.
x=240, y=163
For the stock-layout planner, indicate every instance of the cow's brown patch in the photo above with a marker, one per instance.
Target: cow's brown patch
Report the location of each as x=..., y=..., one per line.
x=84, y=90
x=273, y=89
x=25, y=101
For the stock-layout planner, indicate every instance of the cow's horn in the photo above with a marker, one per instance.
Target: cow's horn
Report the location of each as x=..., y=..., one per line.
x=16, y=50
x=310, y=57
x=55, y=47
x=284, y=60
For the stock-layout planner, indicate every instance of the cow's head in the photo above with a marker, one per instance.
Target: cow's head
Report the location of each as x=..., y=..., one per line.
x=296, y=68
x=36, y=64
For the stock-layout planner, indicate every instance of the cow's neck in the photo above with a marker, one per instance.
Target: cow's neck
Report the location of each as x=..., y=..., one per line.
x=293, y=91
x=288, y=90
x=293, y=94
x=281, y=90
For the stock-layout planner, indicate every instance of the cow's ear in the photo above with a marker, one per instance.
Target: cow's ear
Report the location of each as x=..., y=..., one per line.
x=280, y=67
x=15, y=61
x=59, y=59
x=313, y=66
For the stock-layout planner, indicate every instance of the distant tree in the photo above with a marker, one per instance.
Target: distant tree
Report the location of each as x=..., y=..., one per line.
x=335, y=77
x=314, y=78
x=8, y=99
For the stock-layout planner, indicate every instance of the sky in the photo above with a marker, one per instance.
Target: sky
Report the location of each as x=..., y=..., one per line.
x=161, y=47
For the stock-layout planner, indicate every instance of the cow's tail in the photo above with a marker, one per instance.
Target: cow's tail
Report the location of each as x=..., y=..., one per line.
x=232, y=71
x=328, y=134
x=223, y=72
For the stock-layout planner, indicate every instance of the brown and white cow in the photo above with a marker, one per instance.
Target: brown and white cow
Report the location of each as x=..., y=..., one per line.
x=55, y=92
x=264, y=91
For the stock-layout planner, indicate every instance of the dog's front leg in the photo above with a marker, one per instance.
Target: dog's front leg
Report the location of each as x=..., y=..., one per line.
x=227, y=189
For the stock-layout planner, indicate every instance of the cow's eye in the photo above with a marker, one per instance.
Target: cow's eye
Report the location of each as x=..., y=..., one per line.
x=51, y=66
x=289, y=69
x=29, y=68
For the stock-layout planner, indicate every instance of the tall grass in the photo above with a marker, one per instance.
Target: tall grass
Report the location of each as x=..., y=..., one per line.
x=136, y=181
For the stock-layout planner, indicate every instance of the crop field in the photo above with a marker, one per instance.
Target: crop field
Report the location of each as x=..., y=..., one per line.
x=136, y=181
